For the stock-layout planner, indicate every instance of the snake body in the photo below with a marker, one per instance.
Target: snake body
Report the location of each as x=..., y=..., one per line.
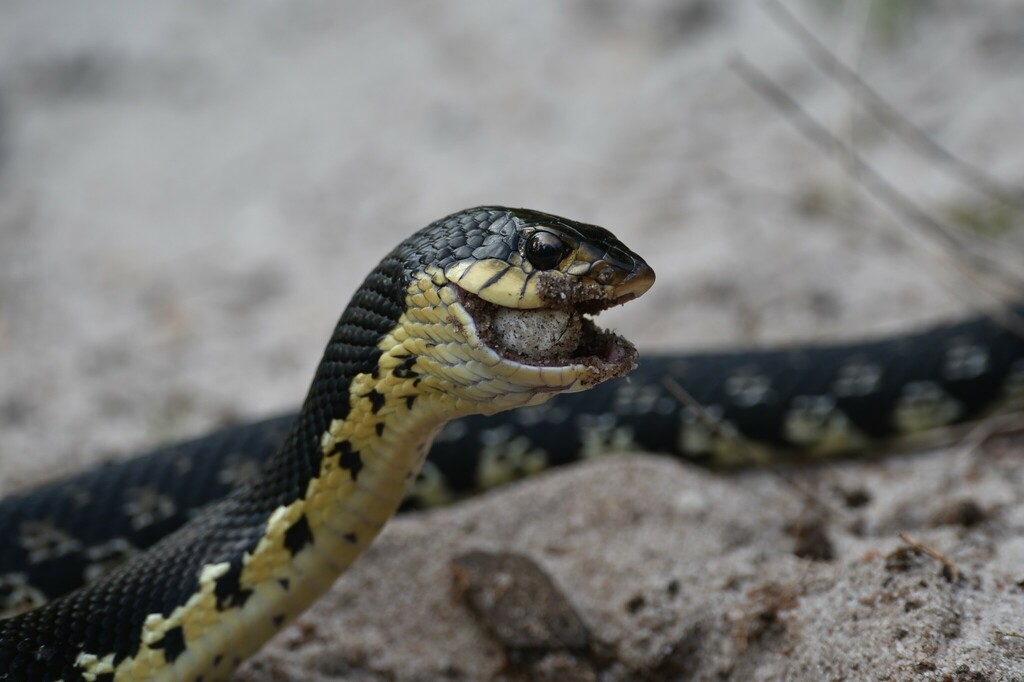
x=412, y=350
x=784, y=403
x=792, y=403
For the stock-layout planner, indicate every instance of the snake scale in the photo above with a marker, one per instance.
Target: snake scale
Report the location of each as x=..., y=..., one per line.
x=810, y=401
x=421, y=342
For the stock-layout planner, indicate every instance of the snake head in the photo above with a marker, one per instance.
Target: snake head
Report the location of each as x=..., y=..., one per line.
x=517, y=287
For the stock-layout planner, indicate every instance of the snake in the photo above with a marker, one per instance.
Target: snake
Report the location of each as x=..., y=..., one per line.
x=760, y=406
x=458, y=319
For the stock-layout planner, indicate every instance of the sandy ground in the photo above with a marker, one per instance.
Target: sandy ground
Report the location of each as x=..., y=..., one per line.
x=188, y=192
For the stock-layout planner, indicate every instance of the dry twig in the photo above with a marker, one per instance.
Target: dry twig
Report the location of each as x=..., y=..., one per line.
x=952, y=248
x=889, y=115
x=949, y=569
x=744, y=448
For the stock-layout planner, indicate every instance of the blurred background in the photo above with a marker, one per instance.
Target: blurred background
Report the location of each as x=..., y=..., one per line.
x=190, y=191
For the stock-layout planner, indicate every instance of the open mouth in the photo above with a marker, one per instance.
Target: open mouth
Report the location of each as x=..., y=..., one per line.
x=559, y=335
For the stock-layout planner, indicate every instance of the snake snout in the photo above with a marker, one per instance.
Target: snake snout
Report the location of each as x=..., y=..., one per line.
x=627, y=283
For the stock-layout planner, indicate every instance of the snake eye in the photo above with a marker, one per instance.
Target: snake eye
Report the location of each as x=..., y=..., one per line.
x=545, y=250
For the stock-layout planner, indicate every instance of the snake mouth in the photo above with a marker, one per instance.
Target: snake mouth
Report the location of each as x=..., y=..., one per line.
x=544, y=337
x=556, y=336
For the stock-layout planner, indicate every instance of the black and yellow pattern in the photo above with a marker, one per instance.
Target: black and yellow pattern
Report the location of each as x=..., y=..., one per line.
x=414, y=348
x=795, y=403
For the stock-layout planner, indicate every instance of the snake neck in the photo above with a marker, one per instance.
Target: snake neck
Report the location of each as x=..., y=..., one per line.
x=342, y=472
x=365, y=473
x=269, y=549
x=351, y=462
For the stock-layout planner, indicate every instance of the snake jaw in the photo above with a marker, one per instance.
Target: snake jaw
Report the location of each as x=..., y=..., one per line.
x=563, y=347
x=539, y=331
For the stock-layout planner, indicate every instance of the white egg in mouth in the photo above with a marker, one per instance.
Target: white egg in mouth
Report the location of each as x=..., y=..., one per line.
x=537, y=334
x=558, y=336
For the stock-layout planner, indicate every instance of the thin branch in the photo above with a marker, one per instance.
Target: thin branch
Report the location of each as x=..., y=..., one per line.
x=949, y=569
x=881, y=190
x=986, y=430
x=888, y=115
x=745, y=449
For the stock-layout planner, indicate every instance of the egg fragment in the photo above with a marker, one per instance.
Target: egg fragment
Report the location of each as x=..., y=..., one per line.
x=538, y=334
